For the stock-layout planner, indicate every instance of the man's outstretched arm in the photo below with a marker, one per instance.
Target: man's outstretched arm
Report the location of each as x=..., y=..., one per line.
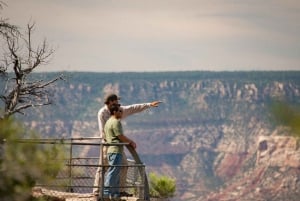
x=136, y=108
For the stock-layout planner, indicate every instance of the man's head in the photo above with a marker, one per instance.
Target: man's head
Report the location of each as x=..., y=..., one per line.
x=115, y=110
x=111, y=99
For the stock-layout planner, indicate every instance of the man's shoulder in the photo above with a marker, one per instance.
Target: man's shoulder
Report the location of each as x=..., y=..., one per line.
x=112, y=123
x=104, y=109
x=113, y=119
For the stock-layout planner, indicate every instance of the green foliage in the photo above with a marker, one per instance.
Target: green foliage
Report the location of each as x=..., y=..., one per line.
x=23, y=164
x=161, y=186
x=287, y=115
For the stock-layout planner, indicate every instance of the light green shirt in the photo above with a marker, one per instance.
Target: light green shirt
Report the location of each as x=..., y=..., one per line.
x=113, y=128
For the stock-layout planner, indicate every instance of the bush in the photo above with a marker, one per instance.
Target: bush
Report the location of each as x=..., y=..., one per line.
x=286, y=114
x=161, y=186
x=23, y=164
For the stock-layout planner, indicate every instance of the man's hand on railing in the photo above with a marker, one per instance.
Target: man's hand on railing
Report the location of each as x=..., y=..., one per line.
x=132, y=143
x=125, y=139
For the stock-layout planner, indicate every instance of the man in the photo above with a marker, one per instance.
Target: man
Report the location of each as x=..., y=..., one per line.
x=114, y=135
x=103, y=116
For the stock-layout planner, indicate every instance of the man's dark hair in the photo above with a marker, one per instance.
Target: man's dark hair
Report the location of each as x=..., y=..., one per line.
x=111, y=97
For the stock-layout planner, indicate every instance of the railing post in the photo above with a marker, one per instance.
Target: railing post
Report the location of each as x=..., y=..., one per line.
x=101, y=182
x=70, y=167
x=141, y=170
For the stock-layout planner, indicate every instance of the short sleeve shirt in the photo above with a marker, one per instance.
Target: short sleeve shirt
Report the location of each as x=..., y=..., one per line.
x=113, y=128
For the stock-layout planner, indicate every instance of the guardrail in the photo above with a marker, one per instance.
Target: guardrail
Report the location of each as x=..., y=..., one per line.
x=78, y=173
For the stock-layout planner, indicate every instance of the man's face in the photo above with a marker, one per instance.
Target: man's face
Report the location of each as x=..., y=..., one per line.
x=113, y=102
x=119, y=114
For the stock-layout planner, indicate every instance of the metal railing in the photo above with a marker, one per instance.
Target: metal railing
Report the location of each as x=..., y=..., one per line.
x=78, y=173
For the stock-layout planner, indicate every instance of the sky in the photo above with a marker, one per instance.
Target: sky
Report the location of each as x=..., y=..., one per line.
x=163, y=35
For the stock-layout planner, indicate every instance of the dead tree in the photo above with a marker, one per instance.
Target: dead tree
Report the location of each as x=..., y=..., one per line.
x=20, y=59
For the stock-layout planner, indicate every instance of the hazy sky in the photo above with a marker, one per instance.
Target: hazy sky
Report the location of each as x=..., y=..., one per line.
x=164, y=35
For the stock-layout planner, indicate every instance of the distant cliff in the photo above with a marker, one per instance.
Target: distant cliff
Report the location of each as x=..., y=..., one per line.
x=213, y=132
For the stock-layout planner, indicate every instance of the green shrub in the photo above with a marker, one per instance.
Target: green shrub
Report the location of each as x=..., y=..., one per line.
x=161, y=186
x=24, y=164
x=287, y=114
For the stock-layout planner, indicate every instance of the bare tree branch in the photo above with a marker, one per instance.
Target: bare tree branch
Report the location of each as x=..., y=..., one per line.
x=22, y=58
x=6, y=28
